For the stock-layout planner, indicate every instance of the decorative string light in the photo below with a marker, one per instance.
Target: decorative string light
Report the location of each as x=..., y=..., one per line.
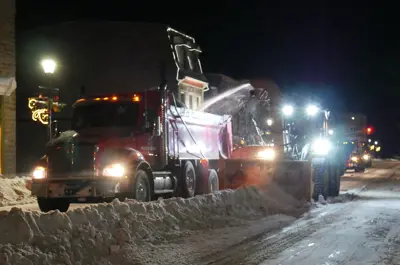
x=39, y=108
x=41, y=115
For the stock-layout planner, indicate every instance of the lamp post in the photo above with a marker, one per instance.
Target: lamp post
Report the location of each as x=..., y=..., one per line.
x=49, y=67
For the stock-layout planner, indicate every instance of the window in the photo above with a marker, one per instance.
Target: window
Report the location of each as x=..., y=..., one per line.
x=105, y=114
x=198, y=102
x=151, y=119
x=190, y=102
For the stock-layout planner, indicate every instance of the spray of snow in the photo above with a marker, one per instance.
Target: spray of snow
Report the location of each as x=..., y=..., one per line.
x=206, y=104
x=102, y=233
x=14, y=192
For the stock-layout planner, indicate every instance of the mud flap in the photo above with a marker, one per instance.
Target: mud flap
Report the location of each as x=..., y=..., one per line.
x=293, y=177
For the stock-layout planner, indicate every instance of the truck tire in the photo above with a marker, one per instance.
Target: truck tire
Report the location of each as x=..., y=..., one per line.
x=51, y=204
x=188, y=180
x=334, y=181
x=321, y=183
x=213, y=181
x=141, y=187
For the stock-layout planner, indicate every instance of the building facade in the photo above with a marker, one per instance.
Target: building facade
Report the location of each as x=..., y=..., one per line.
x=355, y=127
x=7, y=88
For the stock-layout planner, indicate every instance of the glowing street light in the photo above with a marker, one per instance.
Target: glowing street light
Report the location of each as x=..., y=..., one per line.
x=376, y=142
x=49, y=66
x=287, y=110
x=312, y=110
x=330, y=132
x=269, y=122
x=353, y=118
x=369, y=140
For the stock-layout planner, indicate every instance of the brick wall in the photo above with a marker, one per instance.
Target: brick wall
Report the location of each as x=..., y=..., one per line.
x=7, y=69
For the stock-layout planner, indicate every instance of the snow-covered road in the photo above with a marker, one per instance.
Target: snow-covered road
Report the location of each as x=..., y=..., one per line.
x=361, y=226
x=363, y=229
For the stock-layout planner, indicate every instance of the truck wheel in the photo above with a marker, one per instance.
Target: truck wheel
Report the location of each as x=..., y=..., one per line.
x=213, y=181
x=51, y=204
x=321, y=172
x=188, y=180
x=141, y=187
x=334, y=183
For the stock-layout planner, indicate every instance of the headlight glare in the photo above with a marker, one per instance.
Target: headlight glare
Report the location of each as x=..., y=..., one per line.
x=354, y=158
x=39, y=173
x=365, y=157
x=267, y=154
x=114, y=170
x=321, y=146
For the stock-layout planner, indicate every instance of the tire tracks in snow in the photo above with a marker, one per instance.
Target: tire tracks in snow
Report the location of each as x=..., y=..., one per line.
x=262, y=247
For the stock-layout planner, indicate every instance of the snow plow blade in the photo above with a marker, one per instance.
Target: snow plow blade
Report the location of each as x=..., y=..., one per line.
x=294, y=177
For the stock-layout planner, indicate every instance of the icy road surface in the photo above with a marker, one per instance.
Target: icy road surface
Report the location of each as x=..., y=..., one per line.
x=358, y=228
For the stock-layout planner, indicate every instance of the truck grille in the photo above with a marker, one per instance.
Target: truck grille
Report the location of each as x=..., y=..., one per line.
x=63, y=164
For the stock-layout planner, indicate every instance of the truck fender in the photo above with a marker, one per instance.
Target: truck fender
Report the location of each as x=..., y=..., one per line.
x=136, y=161
x=143, y=165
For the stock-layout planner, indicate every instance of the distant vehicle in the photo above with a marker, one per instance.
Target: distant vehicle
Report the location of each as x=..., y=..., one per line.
x=356, y=162
x=358, y=158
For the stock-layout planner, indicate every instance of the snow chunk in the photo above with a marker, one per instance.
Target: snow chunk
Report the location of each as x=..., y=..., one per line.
x=99, y=233
x=14, y=192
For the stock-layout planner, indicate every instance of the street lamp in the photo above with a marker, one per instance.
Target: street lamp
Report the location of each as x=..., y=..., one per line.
x=330, y=132
x=369, y=140
x=376, y=142
x=353, y=118
x=269, y=122
x=49, y=66
x=288, y=110
x=312, y=110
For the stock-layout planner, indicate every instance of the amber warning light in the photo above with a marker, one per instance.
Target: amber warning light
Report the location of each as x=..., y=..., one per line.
x=135, y=98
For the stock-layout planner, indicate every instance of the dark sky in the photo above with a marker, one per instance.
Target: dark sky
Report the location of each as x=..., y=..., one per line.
x=349, y=48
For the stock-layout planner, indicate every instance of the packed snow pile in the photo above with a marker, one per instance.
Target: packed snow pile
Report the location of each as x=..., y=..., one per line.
x=13, y=192
x=117, y=233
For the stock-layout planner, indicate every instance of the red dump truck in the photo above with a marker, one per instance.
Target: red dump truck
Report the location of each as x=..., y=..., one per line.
x=145, y=145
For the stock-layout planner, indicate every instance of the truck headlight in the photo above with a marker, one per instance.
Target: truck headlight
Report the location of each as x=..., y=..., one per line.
x=39, y=173
x=114, y=170
x=267, y=154
x=321, y=146
x=365, y=157
x=354, y=158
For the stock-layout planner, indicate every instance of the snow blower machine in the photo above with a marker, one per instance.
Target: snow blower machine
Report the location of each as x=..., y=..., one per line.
x=250, y=158
x=307, y=136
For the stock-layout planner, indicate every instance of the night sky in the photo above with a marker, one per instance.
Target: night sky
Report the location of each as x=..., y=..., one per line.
x=347, y=53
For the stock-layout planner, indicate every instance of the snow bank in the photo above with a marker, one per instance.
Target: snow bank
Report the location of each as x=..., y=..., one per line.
x=13, y=192
x=120, y=232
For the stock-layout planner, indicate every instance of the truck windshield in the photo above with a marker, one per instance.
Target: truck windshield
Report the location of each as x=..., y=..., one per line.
x=105, y=114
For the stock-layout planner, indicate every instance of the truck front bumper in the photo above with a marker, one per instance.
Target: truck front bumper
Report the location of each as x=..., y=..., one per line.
x=79, y=188
x=353, y=165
